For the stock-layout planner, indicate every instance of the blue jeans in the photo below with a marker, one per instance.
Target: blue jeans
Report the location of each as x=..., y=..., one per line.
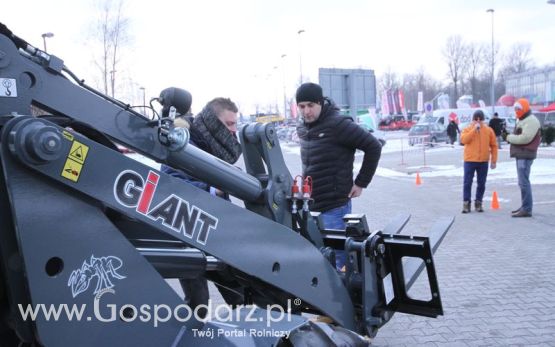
x=481, y=170
x=333, y=219
x=523, y=171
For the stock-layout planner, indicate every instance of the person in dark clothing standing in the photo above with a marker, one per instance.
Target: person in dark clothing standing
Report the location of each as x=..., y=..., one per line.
x=497, y=124
x=212, y=130
x=452, y=131
x=328, y=144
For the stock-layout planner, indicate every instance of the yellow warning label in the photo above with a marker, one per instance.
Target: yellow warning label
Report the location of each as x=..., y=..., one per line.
x=72, y=170
x=67, y=135
x=78, y=152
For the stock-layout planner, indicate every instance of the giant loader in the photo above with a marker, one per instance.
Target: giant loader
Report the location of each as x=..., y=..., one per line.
x=89, y=229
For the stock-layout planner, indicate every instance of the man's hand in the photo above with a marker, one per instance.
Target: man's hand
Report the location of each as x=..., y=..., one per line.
x=493, y=165
x=355, y=191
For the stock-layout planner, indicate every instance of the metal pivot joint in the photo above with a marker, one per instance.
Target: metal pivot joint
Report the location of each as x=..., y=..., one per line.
x=34, y=142
x=174, y=138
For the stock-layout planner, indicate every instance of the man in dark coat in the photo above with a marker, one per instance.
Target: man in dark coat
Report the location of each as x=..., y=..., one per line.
x=452, y=130
x=214, y=131
x=328, y=144
x=497, y=124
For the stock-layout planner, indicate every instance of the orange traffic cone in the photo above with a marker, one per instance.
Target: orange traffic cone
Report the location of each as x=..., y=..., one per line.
x=418, y=180
x=494, y=202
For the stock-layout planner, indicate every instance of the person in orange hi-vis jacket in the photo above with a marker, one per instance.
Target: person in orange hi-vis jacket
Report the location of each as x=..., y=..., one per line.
x=480, y=148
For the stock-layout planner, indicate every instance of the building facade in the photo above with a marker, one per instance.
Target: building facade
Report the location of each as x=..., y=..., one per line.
x=537, y=85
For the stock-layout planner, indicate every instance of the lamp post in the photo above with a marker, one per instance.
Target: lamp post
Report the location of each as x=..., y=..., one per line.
x=300, y=54
x=284, y=90
x=491, y=10
x=144, y=100
x=44, y=36
x=275, y=73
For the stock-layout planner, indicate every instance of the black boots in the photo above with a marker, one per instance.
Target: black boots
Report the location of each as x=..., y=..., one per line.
x=477, y=206
x=466, y=207
x=521, y=213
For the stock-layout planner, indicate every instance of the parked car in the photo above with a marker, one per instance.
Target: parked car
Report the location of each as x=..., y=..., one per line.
x=397, y=122
x=549, y=119
x=427, y=133
x=287, y=134
x=510, y=124
x=368, y=122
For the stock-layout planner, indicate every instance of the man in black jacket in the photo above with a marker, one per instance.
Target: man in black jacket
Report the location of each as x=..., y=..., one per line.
x=214, y=131
x=452, y=131
x=328, y=144
x=497, y=124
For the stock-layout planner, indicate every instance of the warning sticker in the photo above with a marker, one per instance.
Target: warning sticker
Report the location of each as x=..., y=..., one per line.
x=78, y=152
x=72, y=170
x=75, y=160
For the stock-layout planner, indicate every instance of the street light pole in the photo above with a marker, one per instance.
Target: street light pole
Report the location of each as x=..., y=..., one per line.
x=300, y=54
x=44, y=36
x=284, y=90
x=491, y=10
x=275, y=72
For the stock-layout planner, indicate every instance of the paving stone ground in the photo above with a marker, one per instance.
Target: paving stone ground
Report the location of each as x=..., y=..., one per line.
x=496, y=273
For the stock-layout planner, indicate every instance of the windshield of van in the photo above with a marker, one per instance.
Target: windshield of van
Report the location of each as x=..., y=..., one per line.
x=428, y=119
x=417, y=129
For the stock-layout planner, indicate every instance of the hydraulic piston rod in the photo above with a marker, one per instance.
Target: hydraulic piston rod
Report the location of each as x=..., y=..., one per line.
x=216, y=172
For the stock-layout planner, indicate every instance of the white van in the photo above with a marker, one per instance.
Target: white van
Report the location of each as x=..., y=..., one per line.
x=464, y=116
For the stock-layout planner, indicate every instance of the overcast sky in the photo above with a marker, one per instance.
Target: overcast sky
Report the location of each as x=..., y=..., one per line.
x=233, y=48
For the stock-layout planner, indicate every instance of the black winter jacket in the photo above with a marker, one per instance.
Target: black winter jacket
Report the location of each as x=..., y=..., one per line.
x=452, y=129
x=497, y=125
x=328, y=150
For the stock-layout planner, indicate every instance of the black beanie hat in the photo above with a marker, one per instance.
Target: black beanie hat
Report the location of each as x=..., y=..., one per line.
x=310, y=92
x=478, y=115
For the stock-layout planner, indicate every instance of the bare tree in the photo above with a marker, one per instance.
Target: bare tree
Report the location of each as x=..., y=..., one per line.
x=388, y=80
x=112, y=32
x=419, y=82
x=518, y=58
x=455, y=55
x=476, y=64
